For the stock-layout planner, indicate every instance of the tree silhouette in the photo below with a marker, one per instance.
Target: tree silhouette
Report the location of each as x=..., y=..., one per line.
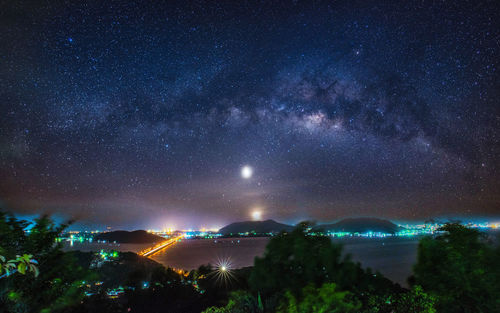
x=461, y=269
x=59, y=284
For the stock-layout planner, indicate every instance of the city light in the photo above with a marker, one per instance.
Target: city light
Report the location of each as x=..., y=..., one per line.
x=223, y=271
x=257, y=215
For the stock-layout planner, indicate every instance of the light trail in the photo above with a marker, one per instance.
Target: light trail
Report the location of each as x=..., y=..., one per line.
x=160, y=246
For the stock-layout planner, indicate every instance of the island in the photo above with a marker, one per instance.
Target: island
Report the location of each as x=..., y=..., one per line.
x=361, y=225
x=123, y=236
x=258, y=227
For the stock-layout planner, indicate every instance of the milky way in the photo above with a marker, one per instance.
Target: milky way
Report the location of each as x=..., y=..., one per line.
x=137, y=114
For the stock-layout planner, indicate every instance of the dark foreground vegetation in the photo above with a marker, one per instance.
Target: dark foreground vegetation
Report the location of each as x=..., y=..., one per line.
x=456, y=271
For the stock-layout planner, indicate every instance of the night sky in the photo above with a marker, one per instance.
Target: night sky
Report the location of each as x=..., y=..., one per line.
x=144, y=114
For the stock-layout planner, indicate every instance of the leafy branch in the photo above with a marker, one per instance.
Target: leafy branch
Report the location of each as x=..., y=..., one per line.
x=21, y=264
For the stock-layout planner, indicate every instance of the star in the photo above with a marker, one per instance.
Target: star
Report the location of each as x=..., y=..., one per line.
x=246, y=172
x=171, y=113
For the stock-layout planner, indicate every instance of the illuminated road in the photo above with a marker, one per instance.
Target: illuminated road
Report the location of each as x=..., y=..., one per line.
x=160, y=246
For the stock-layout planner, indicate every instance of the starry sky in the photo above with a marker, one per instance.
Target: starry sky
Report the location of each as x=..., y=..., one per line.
x=142, y=114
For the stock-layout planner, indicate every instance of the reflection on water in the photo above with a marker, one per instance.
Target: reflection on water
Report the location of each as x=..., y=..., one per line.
x=87, y=246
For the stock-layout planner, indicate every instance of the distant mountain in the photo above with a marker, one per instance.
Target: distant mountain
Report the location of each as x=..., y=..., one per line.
x=268, y=226
x=122, y=236
x=350, y=225
x=361, y=225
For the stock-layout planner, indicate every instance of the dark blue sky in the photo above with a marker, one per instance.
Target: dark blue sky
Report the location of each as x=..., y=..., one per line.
x=139, y=114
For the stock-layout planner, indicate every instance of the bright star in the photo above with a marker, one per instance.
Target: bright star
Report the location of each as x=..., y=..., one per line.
x=246, y=172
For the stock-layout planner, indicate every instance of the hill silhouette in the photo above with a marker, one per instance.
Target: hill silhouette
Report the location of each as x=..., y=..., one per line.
x=267, y=226
x=361, y=225
x=122, y=236
x=350, y=225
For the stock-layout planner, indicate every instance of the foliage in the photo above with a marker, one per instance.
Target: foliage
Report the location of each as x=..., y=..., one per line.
x=294, y=260
x=409, y=301
x=59, y=283
x=461, y=269
x=239, y=302
x=98, y=303
x=20, y=264
x=415, y=301
x=165, y=289
x=171, y=292
x=325, y=299
x=456, y=271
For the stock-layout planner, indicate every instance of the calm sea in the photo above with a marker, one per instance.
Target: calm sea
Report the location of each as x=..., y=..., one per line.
x=393, y=257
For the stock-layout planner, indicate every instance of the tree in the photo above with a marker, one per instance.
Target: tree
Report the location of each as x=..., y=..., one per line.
x=21, y=264
x=325, y=299
x=407, y=301
x=239, y=302
x=461, y=269
x=415, y=301
x=294, y=260
x=59, y=284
